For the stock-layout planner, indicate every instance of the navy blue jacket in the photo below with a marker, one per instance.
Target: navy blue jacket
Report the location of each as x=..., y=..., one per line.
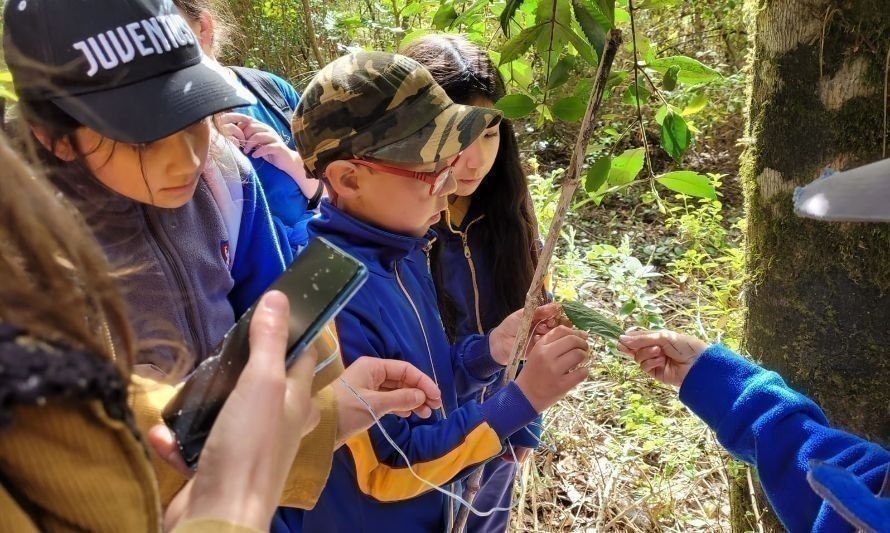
x=816, y=478
x=288, y=204
x=468, y=280
x=395, y=315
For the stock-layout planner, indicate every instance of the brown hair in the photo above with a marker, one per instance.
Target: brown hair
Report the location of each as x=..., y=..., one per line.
x=54, y=279
x=223, y=28
x=509, y=228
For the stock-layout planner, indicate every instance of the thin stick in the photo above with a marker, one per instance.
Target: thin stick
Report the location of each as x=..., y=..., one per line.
x=753, y=495
x=569, y=186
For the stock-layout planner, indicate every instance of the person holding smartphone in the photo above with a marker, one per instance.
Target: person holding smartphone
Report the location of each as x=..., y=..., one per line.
x=71, y=454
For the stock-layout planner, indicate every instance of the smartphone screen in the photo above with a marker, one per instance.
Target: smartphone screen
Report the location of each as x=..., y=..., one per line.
x=318, y=283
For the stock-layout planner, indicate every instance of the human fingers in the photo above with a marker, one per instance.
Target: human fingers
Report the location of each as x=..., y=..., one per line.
x=650, y=365
x=573, y=378
x=647, y=353
x=547, y=317
x=560, y=332
x=233, y=117
x=404, y=374
x=163, y=442
x=232, y=132
x=268, y=336
x=264, y=151
x=566, y=343
x=254, y=127
x=637, y=340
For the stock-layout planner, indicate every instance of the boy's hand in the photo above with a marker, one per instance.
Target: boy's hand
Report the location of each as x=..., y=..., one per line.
x=553, y=367
x=501, y=338
x=389, y=386
x=665, y=355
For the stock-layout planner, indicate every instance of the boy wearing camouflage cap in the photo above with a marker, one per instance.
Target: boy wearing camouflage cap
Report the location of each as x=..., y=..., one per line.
x=383, y=136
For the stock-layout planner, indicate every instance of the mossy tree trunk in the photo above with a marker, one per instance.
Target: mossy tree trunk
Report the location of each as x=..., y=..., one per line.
x=819, y=294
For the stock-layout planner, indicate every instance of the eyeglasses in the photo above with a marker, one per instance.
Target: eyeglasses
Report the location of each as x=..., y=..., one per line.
x=436, y=179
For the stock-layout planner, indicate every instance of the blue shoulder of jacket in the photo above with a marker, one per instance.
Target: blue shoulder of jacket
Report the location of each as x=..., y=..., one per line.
x=290, y=94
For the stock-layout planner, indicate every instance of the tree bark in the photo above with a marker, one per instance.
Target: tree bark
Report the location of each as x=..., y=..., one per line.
x=310, y=34
x=818, y=299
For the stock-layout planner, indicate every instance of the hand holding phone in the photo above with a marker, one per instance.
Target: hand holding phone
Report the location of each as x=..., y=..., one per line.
x=318, y=284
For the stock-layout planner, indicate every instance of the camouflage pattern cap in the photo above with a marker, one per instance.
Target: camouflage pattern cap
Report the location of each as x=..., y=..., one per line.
x=382, y=106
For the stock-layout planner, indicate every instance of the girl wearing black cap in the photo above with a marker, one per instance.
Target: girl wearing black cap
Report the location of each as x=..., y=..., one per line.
x=120, y=98
x=72, y=455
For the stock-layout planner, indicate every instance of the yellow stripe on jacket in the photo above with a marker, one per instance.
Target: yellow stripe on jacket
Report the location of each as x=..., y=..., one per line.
x=391, y=484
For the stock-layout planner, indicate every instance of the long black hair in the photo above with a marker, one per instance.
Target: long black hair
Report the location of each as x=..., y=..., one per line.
x=509, y=228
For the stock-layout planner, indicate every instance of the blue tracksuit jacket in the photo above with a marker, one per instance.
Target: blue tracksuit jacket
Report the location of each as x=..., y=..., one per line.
x=395, y=315
x=817, y=478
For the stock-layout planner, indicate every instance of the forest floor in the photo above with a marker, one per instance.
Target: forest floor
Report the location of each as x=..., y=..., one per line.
x=621, y=453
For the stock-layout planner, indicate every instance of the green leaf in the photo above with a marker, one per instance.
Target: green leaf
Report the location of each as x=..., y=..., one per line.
x=583, y=88
x=507, y=15
x=553, y=15
x=675, y=136
x=411, y=9
x=594, y=23
x=630, y=95
x=626, y=166
x=570, y=109
x=469, y=12
x=669, y=82
x=560, y=73
x=663, y=112
x=5, y=76
x=583, y=47
x=628, y=308
x=691, y=71
x=445, y=15
x=520, y=43
x=519, y=72
x=597, y=174
x=515, y=105
x=413, y=36
x=698, y=102
x=621, y=16
x=688, y=183
x=591, y=321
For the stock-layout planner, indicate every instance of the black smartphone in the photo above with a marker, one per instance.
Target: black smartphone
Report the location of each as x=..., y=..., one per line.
x=319, y=282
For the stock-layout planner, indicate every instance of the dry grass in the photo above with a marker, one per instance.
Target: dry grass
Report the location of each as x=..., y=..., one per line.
x=624, y=455
x=621, y=453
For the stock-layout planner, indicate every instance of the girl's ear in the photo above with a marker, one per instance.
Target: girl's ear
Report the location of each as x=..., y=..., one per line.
x=343, y=180
x=206, y=31
x=63, y=149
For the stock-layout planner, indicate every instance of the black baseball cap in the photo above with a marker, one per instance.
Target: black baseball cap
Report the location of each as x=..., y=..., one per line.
x=130, y=69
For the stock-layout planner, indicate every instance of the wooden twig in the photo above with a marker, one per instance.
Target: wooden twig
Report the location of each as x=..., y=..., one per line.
x=568, y=188
x=310, y=33
x=567, y=191
x=754, y=504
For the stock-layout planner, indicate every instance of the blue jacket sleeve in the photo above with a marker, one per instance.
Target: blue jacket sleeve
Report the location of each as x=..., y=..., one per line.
x=259, y=256
x=440, y=449
x=762, y=421
x=474, y=368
